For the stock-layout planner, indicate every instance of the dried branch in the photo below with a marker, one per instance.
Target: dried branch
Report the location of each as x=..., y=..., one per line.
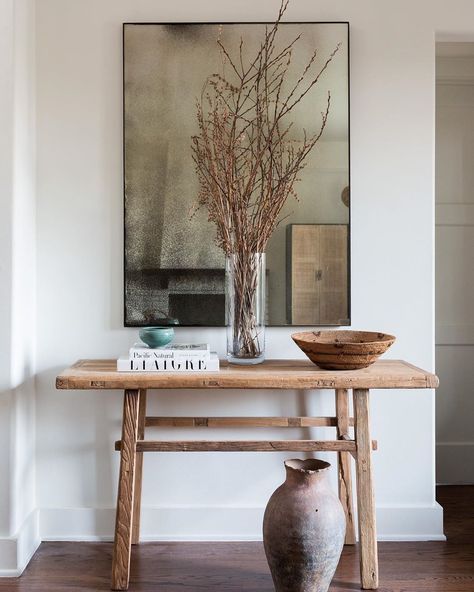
x=246, y=165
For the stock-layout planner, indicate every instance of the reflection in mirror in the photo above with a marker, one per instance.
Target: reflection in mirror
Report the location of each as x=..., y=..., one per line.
x=174, y=272
x=316, y=280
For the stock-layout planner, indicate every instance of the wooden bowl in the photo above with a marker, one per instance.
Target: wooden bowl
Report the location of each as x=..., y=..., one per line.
x=343, y=350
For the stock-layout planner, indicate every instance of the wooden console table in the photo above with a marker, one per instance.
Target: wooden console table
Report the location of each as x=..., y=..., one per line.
x=272, y=374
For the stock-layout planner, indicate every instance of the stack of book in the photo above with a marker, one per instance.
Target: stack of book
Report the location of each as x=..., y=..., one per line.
x=176, y=357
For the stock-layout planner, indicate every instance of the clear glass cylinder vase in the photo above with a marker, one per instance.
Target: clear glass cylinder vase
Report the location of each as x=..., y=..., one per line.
x=245, y=307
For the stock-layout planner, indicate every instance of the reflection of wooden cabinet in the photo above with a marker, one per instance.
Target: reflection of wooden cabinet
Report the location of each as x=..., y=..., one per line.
x=317, y=268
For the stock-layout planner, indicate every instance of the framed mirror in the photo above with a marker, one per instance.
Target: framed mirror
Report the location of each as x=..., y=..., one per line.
x=174, y=272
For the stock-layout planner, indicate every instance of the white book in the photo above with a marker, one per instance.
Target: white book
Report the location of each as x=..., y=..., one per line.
x=125, y=364
x=173, y=351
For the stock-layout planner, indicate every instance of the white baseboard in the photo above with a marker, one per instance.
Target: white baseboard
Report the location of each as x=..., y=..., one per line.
x=17, y=551
x=401, y=523
x=423, y=523
x=157, y=524
x=455, y=463
x=410, y=523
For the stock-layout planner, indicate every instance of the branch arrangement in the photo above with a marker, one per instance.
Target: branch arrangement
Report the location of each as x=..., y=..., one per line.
x=246, y=163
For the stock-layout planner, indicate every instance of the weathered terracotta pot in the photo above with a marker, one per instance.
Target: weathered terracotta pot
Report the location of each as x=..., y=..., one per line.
x=303, y=529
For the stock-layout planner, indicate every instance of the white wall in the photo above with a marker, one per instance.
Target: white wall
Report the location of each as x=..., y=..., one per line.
x=18, y=516
x=454, y=262
x=6, y=158
x=80, y=275
x=79, y=264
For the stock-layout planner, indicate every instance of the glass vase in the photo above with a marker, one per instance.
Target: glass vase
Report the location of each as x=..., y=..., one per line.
x=245, y=307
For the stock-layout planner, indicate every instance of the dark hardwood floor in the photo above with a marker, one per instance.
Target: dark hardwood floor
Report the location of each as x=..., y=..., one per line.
x=231, y=567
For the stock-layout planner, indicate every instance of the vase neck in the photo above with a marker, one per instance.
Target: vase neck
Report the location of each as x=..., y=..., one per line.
x=306, y=472
x=246, y=256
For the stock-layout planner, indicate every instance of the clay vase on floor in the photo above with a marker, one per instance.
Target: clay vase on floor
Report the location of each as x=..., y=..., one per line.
x=304, y=528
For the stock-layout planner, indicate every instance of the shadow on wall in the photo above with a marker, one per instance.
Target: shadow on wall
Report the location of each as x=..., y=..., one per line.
x=78, y=466
x=76, y=430
x=17, y=455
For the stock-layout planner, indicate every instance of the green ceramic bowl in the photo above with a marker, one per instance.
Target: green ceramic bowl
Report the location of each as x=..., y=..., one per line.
x=156, y=336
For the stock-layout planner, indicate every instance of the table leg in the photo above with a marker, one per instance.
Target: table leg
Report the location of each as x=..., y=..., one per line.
x=124, y=516
x=365, y=493
x=137, y=500
x=344, y=465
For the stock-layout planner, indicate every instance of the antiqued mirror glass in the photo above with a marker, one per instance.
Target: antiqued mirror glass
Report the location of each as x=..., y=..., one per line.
x=174, y=272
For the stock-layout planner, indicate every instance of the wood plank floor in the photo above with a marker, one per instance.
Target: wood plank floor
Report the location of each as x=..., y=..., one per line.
x=231, y=567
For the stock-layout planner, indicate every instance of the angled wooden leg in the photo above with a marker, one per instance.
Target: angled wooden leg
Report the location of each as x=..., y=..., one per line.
x=344, y=465
x=137, y=500
x=124, y=516
x=365, y=493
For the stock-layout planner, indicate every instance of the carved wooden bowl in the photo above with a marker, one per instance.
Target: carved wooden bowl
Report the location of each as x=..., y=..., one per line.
x=343, y=350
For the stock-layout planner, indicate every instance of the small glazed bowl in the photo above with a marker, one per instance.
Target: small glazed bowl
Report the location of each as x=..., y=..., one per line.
x=343, y=350
x=156, y=336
